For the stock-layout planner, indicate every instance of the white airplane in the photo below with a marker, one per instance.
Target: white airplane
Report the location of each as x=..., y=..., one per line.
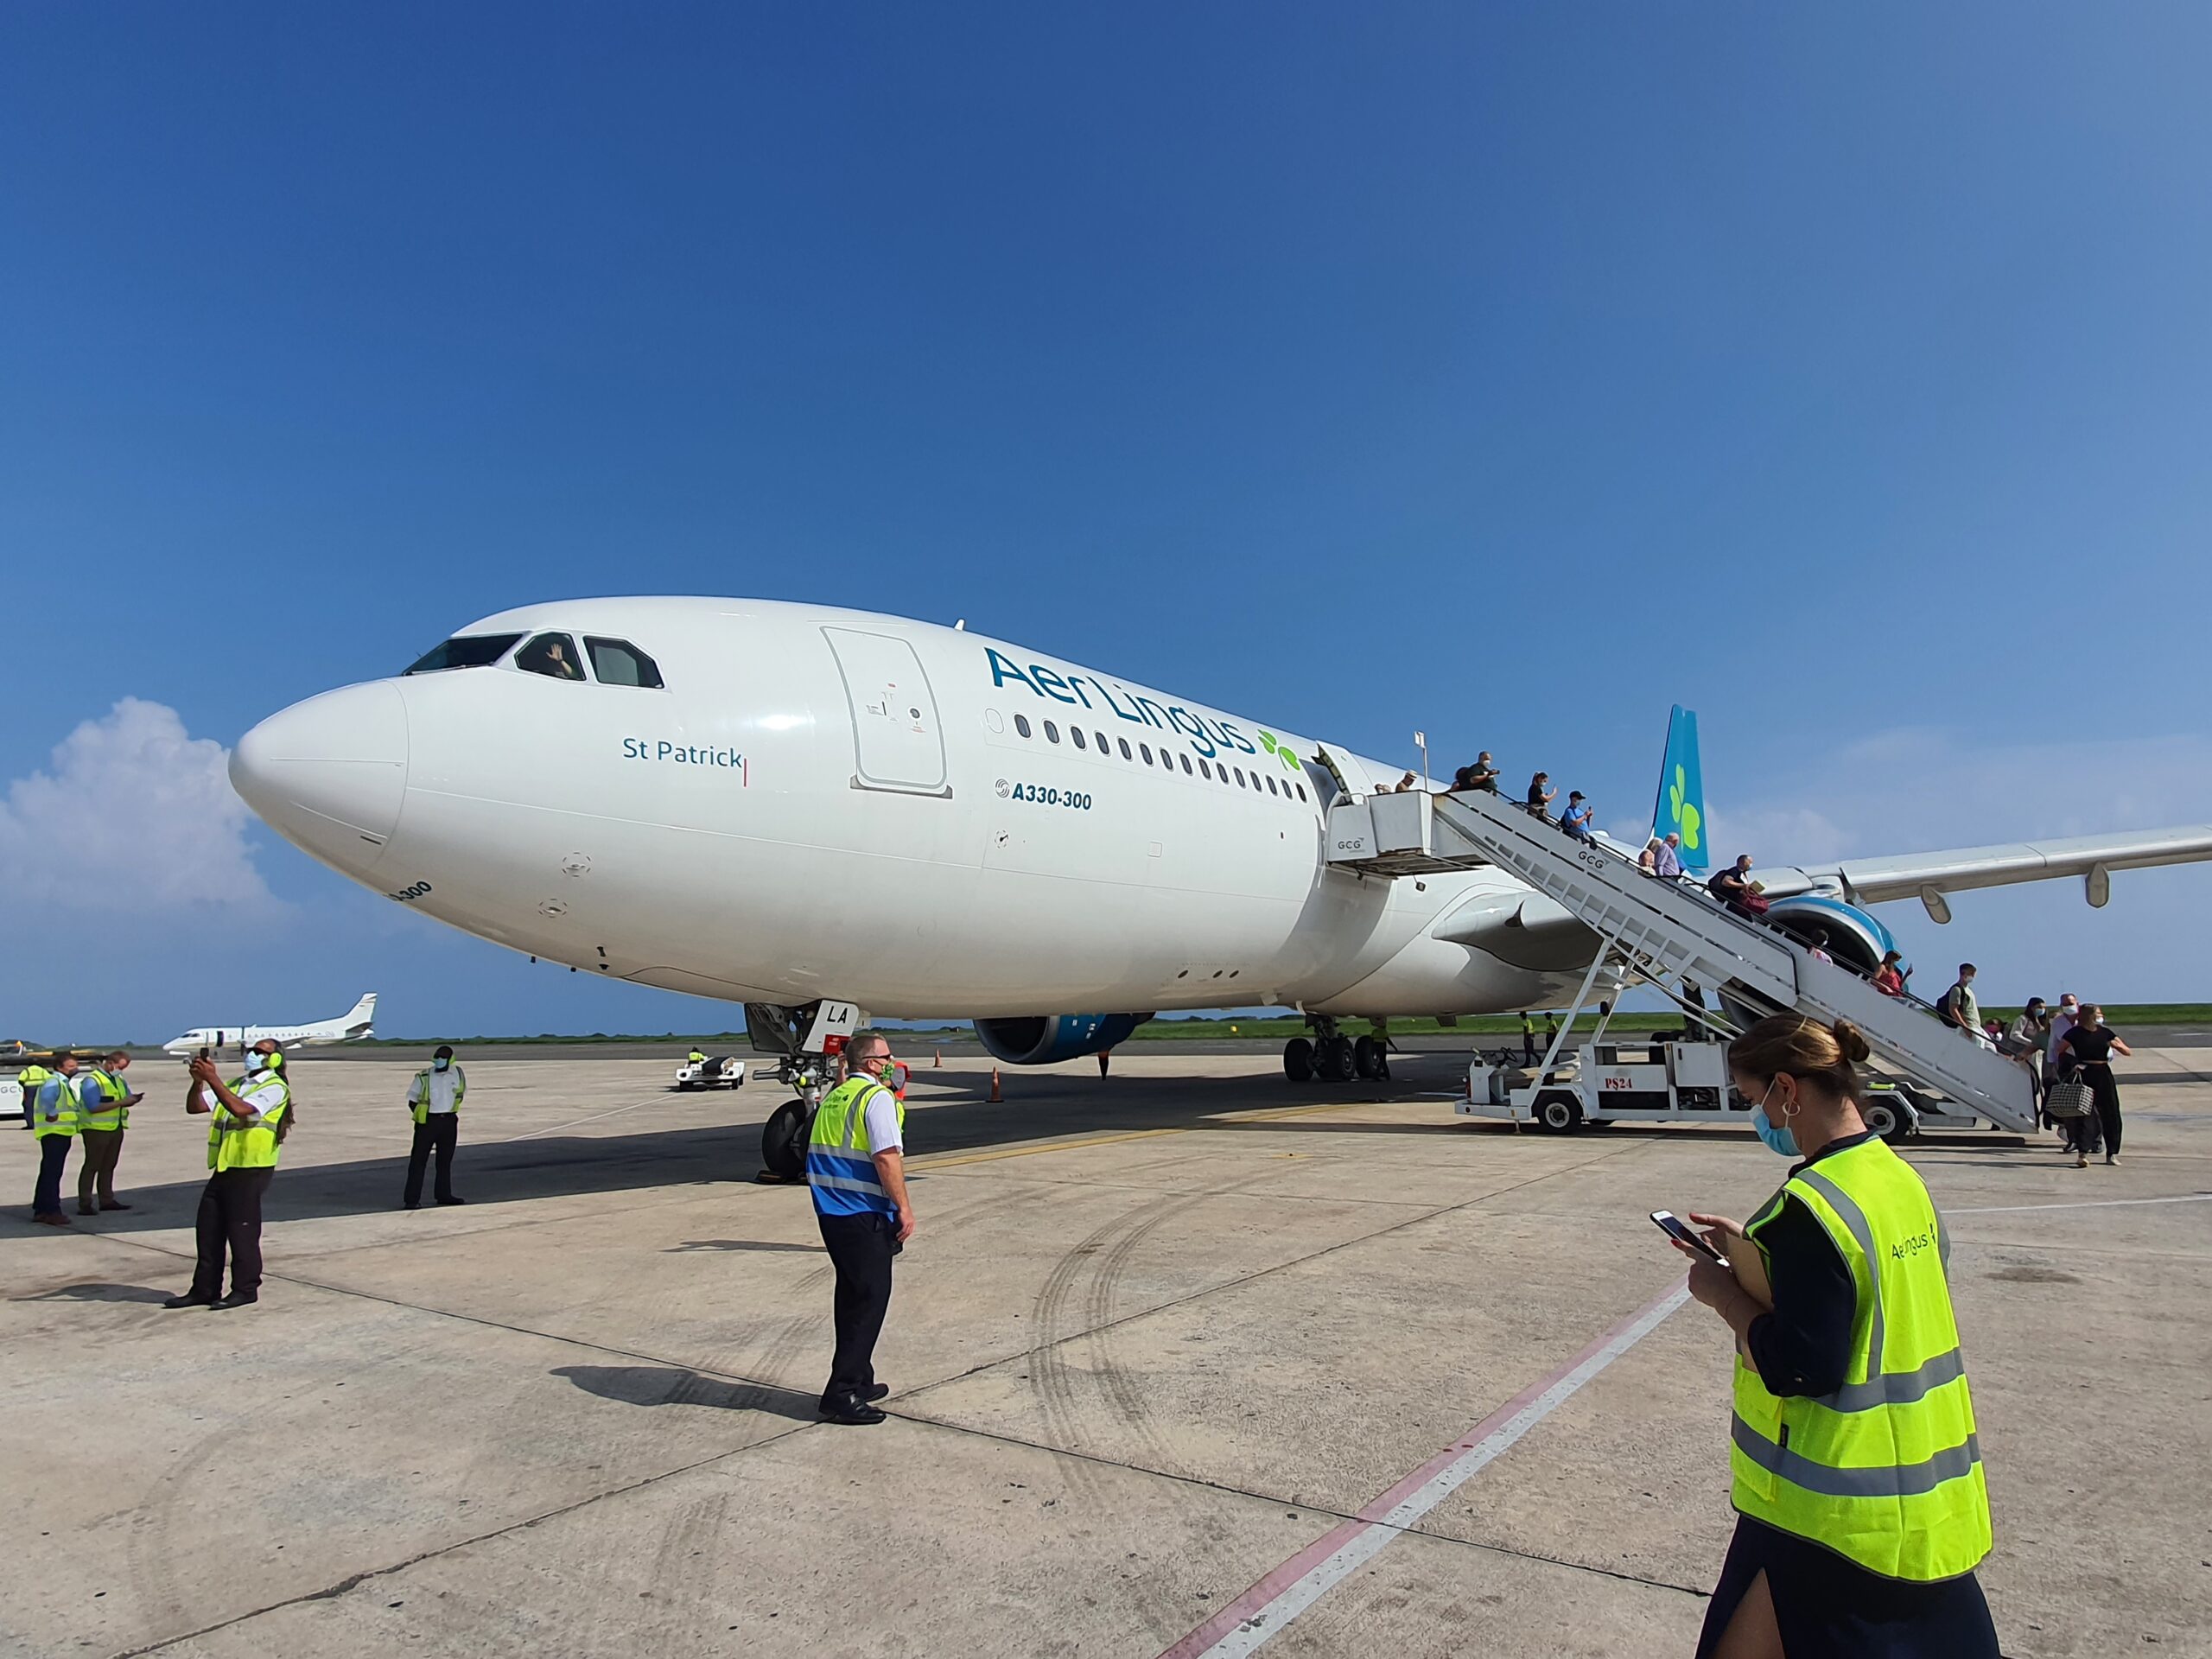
x=350, y=1026
x=803, y=808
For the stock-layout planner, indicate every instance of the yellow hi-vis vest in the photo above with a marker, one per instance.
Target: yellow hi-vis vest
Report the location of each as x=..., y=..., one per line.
x=65, y=1116
x=840, y=1159
x=1887, y=1470
x=420, y=1093
x=31, y=1080
x=111, y=1113
x=235, y=1144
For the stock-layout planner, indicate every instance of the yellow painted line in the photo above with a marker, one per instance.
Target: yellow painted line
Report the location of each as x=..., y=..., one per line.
x=1039, y=1146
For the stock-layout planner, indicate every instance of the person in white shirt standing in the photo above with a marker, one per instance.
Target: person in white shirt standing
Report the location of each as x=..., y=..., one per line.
x=435, y=1099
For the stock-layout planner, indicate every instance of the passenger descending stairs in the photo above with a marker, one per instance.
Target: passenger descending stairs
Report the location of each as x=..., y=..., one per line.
x=1666, y=928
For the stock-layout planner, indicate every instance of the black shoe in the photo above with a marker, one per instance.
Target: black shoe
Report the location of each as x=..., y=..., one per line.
x=452, y=1200
x=189, y=1301
x=852, y=1409
x=876, y=1391
x=238, y=1299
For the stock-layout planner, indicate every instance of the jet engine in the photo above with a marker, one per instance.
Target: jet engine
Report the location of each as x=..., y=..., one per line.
x=1042, y=1039
x=1855, y=939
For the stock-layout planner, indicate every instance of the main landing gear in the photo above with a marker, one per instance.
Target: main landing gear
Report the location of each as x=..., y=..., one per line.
x=1335, y=1057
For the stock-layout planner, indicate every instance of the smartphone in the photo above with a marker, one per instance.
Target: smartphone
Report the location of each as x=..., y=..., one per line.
x=1675, y=1227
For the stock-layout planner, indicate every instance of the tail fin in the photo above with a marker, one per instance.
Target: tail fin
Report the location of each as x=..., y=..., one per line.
x=1681, y=808
x=363, y=1012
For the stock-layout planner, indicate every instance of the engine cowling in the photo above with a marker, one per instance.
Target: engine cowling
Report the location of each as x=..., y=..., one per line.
x=1855, y=939
x=1044, y=1040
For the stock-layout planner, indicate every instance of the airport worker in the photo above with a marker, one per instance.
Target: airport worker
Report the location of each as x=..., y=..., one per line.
x=30, y=1080
x=103, y=1129
x=248, y=1120
x=435, y=1099
x=55, y=1120
x=695, y=1057
x=855, y=1165
x=1528, y=1038
x=1856, y=1471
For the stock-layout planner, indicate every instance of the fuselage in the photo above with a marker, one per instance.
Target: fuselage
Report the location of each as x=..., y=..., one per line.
x=817, y=802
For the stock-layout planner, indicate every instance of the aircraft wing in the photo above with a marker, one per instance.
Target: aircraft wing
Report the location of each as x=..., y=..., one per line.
x=1928, y=876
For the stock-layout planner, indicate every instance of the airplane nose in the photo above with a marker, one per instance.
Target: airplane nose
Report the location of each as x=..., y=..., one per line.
x=330, y=773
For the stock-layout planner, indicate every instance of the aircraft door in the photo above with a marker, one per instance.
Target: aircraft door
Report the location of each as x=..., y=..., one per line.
x=897, y=742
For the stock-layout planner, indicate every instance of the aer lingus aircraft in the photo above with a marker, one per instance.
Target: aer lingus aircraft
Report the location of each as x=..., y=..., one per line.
x=806, y=809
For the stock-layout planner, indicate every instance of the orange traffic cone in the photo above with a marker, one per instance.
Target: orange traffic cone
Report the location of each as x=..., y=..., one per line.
x=996, y=1096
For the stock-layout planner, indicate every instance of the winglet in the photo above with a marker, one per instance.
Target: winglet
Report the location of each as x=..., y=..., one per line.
x=1680, y=807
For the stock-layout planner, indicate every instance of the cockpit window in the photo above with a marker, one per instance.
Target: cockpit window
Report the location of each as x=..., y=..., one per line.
x=465, y=650
x=617, y=662
x=553, y=655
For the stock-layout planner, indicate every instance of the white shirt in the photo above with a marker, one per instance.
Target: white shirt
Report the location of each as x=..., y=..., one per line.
x=881, y=1118
x=443, y=1086
x=257, y=1097
x=2061, y=1023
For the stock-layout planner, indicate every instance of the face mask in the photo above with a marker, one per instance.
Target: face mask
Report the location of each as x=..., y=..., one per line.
x=440, y=1066
x=255, y=1060
x=1778, y=1138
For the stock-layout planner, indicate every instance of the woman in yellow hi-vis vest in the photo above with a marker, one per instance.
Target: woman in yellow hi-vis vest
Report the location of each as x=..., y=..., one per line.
x=1856, y=1473
x=248, y=1120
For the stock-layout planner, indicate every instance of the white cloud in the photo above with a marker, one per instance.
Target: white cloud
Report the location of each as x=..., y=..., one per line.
x=1915, y=790
x=134, y=818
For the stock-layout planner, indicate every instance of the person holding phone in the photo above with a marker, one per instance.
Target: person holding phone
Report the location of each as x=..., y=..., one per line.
x=1856, y=1470
x=102, y=1134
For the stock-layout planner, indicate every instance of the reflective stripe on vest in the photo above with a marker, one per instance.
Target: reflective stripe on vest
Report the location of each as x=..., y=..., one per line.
x=235, y=1144
x=840, y=1159
x=65, y=1115
x=111, y=1113
x=1885, y=1471
x=423, y=1092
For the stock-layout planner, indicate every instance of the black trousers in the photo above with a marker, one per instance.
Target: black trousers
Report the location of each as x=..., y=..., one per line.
x=860, y=1249
x=2105, y=1093
x=439, y=1132
x=229, y=1218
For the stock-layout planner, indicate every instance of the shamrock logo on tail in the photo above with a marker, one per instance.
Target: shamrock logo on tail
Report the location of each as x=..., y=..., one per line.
x=1687, y=816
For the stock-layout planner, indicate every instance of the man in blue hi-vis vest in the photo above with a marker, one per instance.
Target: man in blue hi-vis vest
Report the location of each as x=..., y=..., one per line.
x=856, y=1164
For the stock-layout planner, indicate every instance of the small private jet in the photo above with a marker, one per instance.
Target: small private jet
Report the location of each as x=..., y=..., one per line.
x=348, y=1027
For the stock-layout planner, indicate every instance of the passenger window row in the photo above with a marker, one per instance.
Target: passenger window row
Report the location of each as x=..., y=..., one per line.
x=1220, y=771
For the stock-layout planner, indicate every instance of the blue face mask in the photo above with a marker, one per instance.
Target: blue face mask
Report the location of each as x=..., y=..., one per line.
x=1779, y=1137
x=439, y=1065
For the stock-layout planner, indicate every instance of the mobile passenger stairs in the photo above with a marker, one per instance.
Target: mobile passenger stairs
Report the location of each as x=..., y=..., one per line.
x=1675, y=937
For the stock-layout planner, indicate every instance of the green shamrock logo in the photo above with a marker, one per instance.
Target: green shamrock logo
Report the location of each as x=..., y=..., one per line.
x=1687, y=817
x=1281, y=750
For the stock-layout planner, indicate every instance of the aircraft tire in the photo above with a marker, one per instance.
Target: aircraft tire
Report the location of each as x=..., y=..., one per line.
x=1337, y=1065
x=783, y=1140
x=1886, y=1121
x=1370, y=1060
x=1298, y=1059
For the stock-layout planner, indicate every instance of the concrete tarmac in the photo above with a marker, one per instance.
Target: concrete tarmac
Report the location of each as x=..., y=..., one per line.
x=1185, y=1359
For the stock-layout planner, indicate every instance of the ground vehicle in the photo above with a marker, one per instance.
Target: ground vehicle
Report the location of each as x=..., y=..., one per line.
x=720, y=1072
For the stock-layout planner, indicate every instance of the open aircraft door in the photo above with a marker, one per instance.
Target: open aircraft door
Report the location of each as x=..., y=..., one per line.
x=897, y=743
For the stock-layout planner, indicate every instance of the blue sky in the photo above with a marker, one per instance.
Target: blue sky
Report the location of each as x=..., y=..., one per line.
x=1508, y=372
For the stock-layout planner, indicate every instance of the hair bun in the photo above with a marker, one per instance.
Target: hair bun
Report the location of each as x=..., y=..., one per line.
x=1849, y=1039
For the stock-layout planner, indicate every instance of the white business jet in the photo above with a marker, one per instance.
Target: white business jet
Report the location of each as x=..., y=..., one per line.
x=813, y=811
x=350, y=1026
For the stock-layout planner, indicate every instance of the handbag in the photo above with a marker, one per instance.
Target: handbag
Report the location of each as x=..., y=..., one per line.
x=2067, y=1097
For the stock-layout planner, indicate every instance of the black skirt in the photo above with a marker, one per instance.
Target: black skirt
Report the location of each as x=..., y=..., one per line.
x=1831, y=1608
